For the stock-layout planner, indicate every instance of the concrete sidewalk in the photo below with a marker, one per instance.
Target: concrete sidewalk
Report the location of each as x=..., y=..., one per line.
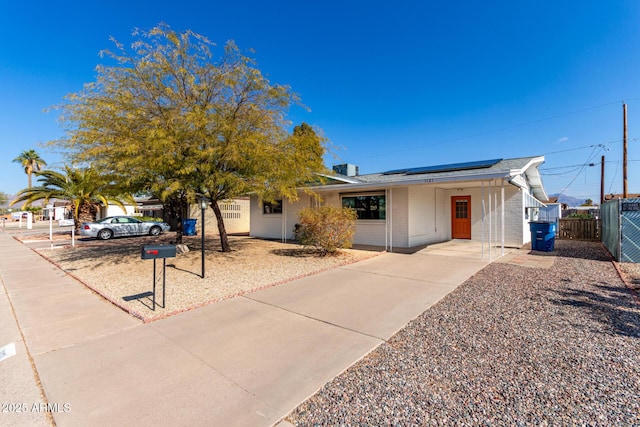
x=247, y=361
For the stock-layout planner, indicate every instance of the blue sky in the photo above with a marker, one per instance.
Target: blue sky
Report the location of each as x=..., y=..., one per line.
x=391, y=84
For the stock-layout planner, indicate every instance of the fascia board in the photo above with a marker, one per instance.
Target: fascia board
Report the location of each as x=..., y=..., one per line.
x=535, y=161
x=519, y=181
x=533, y=176
x=335, y=178
x=402, y=183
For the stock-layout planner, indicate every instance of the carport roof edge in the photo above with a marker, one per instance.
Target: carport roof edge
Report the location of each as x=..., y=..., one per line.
x=525, y=168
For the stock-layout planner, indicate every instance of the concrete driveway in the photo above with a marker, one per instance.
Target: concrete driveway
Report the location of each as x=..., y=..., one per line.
x=247, y=361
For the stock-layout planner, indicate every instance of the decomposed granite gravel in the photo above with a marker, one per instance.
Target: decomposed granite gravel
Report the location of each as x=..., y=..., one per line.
x=511, y=346
x=114, y=269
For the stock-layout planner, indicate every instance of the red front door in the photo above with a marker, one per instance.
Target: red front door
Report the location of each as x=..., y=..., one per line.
x=461, y=217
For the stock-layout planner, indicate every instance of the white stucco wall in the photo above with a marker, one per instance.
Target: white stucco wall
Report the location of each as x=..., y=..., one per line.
x=264, y=226
x=235, y=213
x=398, y=221
x=518, y=204
x=276, y=226
x=113, y=210
x=428, y=215
x=487, y=219
x=367, y=232
x=416, y=215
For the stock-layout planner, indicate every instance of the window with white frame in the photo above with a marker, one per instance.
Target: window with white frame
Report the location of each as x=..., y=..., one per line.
x=272, y=208
x=367, y=206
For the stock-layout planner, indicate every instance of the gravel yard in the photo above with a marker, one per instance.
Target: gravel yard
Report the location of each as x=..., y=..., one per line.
x=513, y=345
x=115, y=270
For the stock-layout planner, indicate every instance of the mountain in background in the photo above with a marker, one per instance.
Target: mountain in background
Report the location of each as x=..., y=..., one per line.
x=10, y=197
x=571, y=201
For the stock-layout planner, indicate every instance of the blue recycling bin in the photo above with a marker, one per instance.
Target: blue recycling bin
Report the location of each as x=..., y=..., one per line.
x=543, y=235
x=189, y=226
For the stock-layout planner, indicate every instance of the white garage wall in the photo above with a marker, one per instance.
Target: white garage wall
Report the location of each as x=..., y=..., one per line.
x=264, y=226
x=235, y=213
x=114, y=210
x=372, y=232
x=399, y=219
x=513, y=215
x=277, y=226
x=419, y=214
x=428, y=215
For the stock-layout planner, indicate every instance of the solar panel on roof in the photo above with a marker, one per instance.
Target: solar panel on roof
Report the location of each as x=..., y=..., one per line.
x=395, y=171
x=445, y=168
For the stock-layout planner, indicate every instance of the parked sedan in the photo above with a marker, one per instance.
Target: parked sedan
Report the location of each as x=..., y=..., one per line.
x=111, y=226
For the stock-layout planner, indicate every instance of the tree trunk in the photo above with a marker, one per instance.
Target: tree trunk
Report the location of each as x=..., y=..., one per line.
x=86, y=213
x=177, y=208
x=224, y=239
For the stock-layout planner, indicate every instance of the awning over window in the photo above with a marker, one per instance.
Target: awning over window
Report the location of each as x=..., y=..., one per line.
x=532, y=202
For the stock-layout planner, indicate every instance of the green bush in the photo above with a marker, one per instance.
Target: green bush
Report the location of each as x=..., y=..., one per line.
x=580, y=216
x=150, y=219
x=327, y=228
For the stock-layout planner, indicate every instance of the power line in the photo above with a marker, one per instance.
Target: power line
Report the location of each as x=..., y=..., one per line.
x=582, y=164
x=499, y=130
x=614, y=176
x=581, y=168
x=564, y=167
x=562, y=173
x=583, y=147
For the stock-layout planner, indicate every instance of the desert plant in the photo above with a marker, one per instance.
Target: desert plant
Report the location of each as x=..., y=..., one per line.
x=31, y=162
x=327, y=228
x=83, y=188
x=580, y=216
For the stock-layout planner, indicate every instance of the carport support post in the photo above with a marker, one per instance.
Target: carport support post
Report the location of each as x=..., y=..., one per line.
x=482, y=197
x=490, y=188
x=502, y=217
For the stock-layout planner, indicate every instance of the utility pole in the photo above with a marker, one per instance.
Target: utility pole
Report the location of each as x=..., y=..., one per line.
x=602, y=181
x=625, y=192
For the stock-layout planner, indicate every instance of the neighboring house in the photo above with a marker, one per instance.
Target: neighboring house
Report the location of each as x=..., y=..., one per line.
x=555, y=200
x=61, y=210
x=490, y=201
x=612, y=196
x=234, y=212
x=552, y=212
x=113, y=210
x=594, y=211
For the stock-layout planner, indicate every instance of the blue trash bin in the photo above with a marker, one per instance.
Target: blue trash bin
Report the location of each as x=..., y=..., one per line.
x=189, y=226
x=543, y=235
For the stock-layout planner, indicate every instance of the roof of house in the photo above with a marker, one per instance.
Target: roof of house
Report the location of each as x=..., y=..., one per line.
x=620, y=196
x=521, y=172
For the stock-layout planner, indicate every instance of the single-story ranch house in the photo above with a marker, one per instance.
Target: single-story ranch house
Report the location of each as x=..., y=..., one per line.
x=490, y=201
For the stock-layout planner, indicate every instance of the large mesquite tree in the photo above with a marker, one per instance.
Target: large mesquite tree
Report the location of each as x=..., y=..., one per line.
x=169, y=116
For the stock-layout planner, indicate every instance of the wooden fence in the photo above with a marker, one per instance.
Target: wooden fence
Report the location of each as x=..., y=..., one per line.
x=579, y=229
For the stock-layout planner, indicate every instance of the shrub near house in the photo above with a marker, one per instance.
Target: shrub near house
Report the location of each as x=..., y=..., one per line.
x=327, y=228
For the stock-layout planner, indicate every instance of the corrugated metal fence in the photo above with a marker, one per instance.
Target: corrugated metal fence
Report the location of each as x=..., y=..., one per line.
x=610, y=214
x=621, y=229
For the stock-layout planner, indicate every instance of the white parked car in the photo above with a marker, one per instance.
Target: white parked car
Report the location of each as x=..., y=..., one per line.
x=114, y=226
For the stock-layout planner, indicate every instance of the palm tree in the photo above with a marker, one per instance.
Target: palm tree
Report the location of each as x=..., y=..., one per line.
x=85, y=189
x=31, y=162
